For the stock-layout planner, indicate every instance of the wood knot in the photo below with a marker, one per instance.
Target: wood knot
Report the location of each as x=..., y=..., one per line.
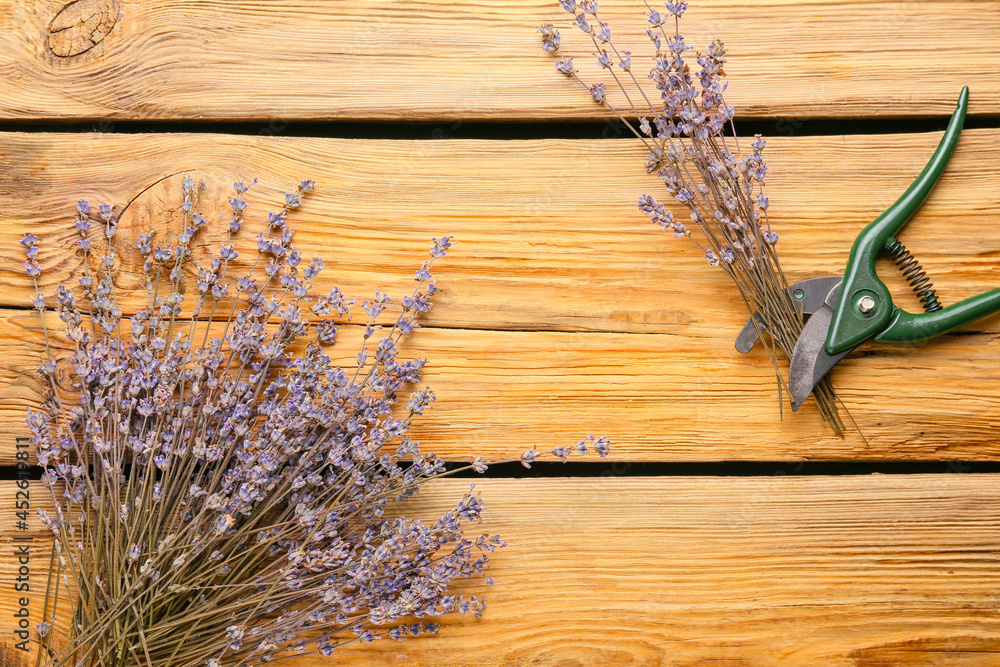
x=157, y=208
x=66, y=379
x=80, y=26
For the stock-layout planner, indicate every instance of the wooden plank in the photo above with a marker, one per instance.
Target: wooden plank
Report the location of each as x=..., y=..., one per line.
x=659, y=398
x=824, y=571
x=549, y=236
x=538, y=251
x=436, y=59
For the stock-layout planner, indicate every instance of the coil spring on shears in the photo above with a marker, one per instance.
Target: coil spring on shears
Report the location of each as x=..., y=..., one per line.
x=915, y=275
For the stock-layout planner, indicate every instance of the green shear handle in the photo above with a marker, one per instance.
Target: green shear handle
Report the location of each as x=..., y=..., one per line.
x=865, y=309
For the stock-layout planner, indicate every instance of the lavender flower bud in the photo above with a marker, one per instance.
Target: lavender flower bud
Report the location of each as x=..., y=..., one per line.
x=275, y=219
x=263, y=245
x=326, y=332
x=529, y=457
x=654, y=37
x=314, y=268
x=677, y=8
x=550, y=37
x=227, y=252
x=441, y=246
x=626, y=64
x=604, y=34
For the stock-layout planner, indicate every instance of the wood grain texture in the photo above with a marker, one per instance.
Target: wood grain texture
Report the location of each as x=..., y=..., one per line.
x=659, y=398
x=794, y=572
x=569, y=314
x=549, y=236
x=436, y=60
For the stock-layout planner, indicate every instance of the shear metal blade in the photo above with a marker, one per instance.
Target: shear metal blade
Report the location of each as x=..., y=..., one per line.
x=808, y=294
x=810, y=362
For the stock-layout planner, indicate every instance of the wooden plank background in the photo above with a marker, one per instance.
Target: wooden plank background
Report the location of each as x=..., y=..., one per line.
x=435, y=59
x=564, y=312
x=823, y=571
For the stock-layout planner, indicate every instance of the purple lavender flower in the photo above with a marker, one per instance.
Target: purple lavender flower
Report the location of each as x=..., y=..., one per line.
x=566, y=66
x=529, y=457
x=677, y=8
x=550, y=37
x=242, y=472
x=441, y=246
x=626, y=64
x=604, y=33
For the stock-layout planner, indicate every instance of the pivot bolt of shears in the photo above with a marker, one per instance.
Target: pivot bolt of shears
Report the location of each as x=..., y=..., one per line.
x=866, y=304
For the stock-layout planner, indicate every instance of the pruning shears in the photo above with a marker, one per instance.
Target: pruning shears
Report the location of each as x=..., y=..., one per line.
x=845, y=311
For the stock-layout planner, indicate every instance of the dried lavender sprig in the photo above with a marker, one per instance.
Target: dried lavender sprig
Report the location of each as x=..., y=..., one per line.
x=688, y=149
x=238, y=491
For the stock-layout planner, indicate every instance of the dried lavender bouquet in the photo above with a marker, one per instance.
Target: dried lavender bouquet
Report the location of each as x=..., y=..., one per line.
x=222, y=492
x=703, y=169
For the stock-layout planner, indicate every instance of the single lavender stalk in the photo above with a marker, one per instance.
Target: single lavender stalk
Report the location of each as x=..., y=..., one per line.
x=221, y=499
x=702, y=169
